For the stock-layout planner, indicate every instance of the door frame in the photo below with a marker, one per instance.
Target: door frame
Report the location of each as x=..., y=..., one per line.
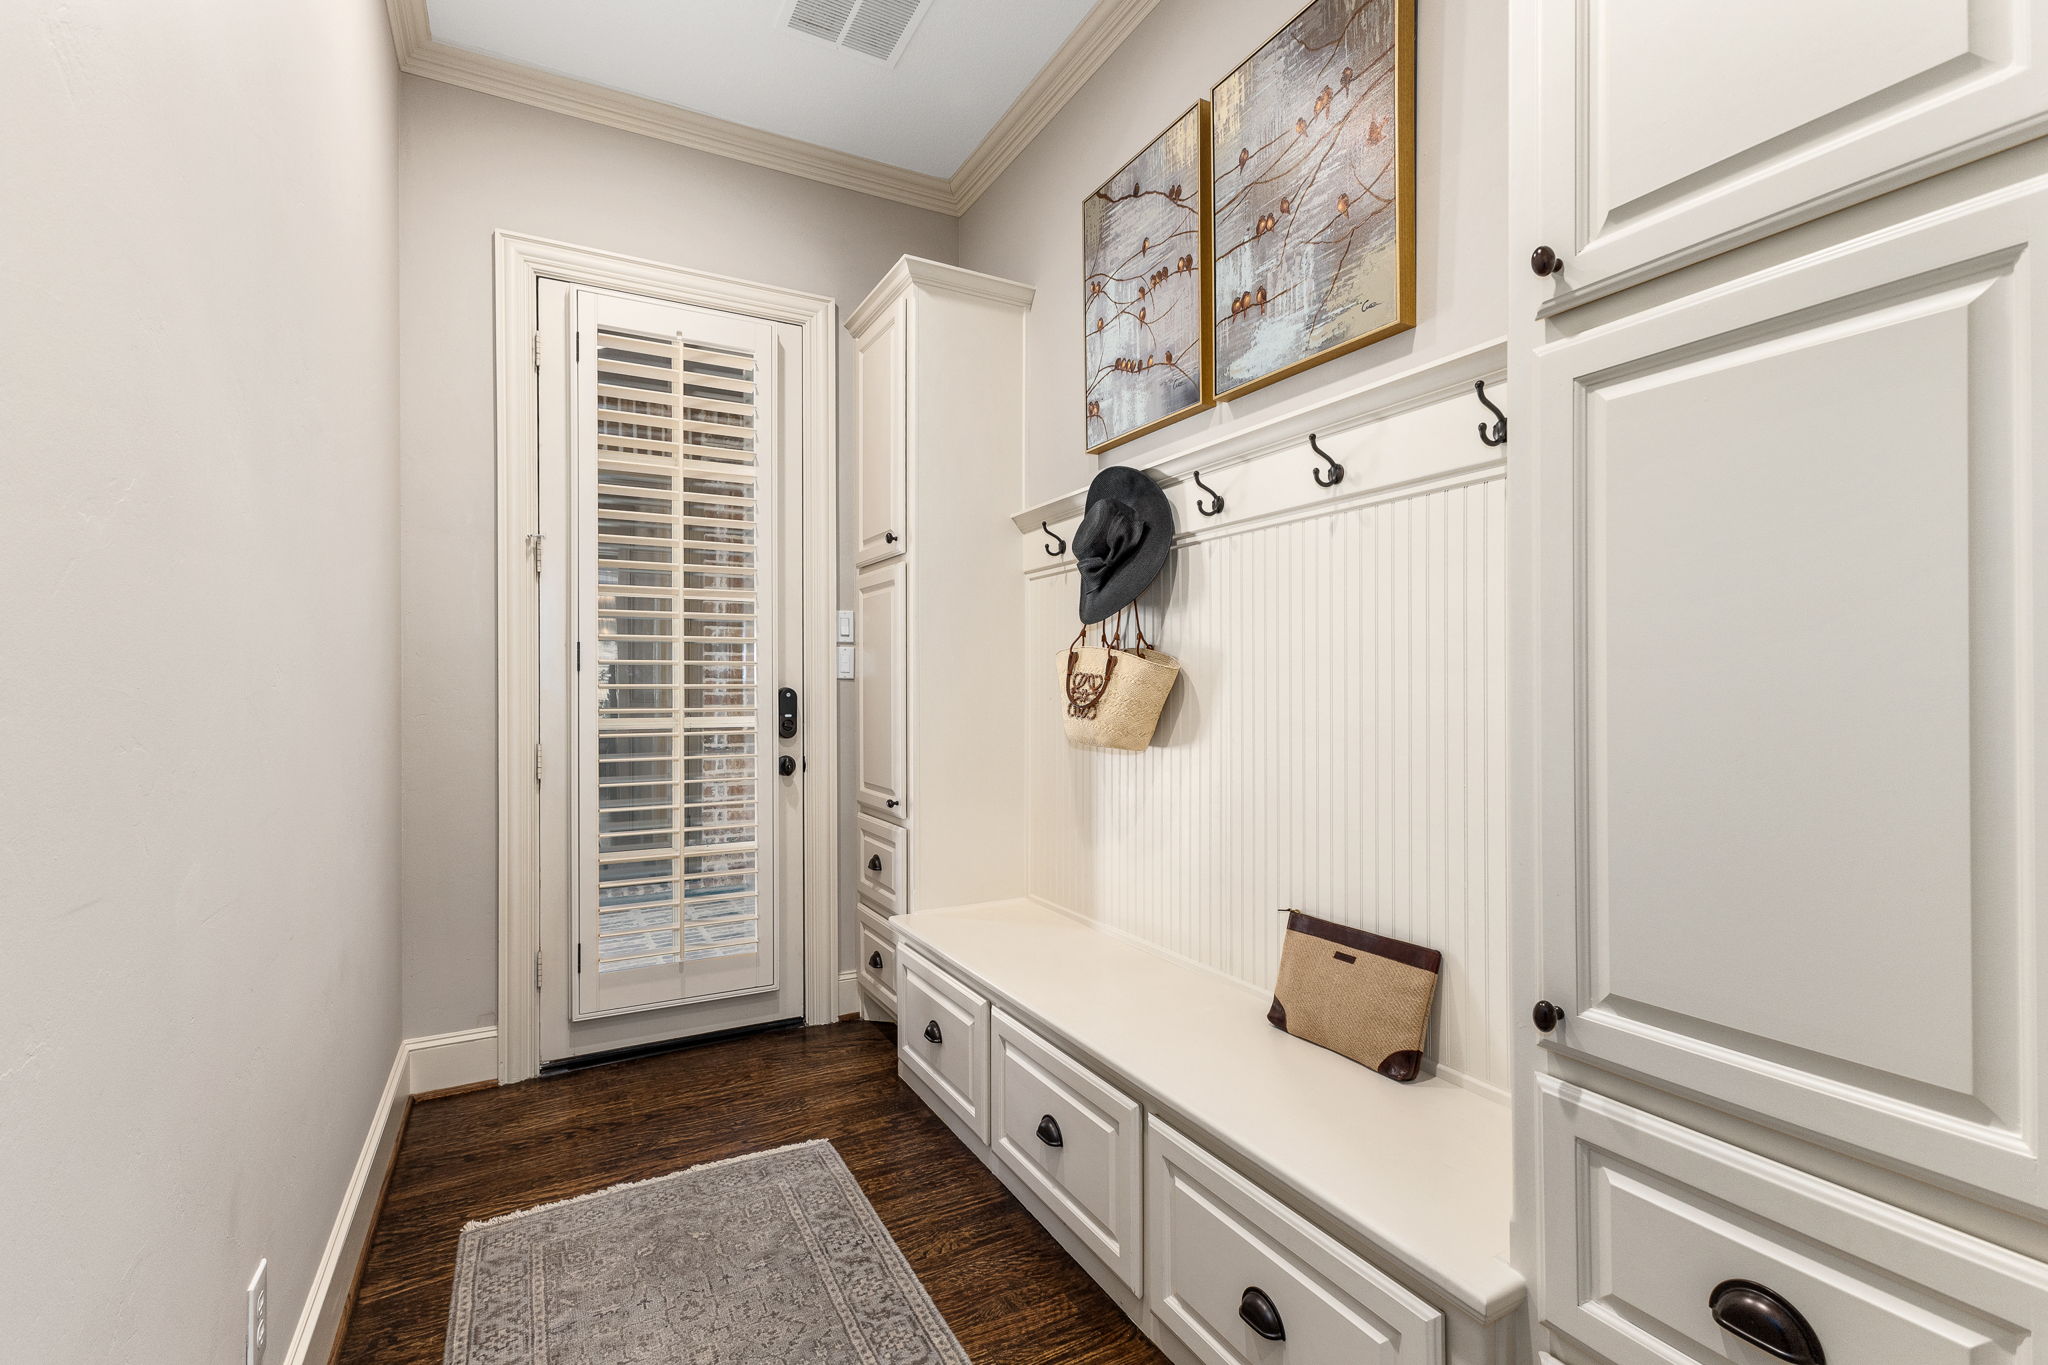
x=520, y=263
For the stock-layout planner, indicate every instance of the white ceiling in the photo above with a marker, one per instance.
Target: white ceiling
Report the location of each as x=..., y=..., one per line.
x=965, y=63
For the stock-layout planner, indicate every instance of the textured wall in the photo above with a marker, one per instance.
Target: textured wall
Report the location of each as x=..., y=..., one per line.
x=1028, y=225
x=198, y=675
x=472, y=164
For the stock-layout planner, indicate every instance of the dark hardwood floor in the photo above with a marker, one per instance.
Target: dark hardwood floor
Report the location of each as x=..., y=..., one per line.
x=1005, y=1287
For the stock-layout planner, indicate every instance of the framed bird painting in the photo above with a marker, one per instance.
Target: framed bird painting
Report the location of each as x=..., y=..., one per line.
x=1144, y=297
x=1313, y=189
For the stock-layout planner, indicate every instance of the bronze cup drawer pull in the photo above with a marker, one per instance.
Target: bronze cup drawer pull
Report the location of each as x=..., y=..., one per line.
x=1049, y=1132
x=932, y=1034
x=1764, y=1320
x=1260, y=1315
x=874, y=961
x=874, y=862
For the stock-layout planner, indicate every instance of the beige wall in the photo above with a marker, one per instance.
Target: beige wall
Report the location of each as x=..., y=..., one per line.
x=198, y=701
x=1028, y=225
x=471, y=164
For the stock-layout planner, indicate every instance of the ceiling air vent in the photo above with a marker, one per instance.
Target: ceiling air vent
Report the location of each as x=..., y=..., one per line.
x=873, y=28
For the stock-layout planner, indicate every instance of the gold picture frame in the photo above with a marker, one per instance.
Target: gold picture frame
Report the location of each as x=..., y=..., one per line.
x=1142, y=244
x=1295, y=133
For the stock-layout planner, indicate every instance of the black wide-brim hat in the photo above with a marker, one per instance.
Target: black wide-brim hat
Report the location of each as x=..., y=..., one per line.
x=1125, y=535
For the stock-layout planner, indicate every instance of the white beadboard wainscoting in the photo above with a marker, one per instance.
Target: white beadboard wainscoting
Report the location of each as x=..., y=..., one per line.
x=1336, y=741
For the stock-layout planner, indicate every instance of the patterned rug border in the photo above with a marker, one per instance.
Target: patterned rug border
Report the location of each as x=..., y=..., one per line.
x=554, y=1204
x=894, y=1262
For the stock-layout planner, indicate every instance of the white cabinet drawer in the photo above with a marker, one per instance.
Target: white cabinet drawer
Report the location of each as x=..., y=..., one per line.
x=1222, y=1255
x=880, y=877
x=1074, y=1139
x=942, y=1037
x=1648, y=1219
x=877, y=970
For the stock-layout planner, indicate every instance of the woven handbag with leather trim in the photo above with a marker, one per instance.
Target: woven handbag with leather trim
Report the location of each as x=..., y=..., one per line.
x=1114, y=695
x=1356, y=993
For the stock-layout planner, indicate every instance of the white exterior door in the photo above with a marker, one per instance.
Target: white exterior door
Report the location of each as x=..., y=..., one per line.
x=671, y=860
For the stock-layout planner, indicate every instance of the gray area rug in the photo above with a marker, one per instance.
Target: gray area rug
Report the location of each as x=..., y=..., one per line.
x=776, y=1258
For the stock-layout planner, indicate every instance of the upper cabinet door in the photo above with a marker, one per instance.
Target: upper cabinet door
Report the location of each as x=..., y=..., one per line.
x=1787, y=548
x=1671, y=132
x=884, y=435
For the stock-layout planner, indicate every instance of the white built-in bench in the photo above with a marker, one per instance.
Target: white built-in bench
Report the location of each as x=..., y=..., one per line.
x=1221, y=1179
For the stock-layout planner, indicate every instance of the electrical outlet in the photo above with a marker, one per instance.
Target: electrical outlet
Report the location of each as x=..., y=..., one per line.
x=846, y=661
x=259, y=1313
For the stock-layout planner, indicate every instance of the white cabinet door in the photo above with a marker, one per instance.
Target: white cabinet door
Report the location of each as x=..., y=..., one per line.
x=883, y=389
x=1673, y=131
x=881, y=684
x=1787, y=547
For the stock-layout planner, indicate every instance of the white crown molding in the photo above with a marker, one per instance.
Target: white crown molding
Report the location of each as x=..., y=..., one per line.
x=952, y=279
x=1107, y=25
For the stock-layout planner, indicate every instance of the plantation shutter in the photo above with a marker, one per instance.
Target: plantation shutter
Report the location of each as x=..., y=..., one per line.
x=677, y=858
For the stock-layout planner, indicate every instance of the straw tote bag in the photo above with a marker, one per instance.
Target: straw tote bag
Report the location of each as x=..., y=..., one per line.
x=1114, y=695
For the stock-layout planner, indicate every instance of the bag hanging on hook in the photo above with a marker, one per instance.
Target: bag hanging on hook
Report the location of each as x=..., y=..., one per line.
x=1114, y=695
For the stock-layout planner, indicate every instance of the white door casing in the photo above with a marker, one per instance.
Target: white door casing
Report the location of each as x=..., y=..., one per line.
x=522, y=262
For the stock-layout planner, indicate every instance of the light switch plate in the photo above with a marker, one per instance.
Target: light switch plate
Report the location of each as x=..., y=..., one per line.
x=845, y=629
x=846, y=661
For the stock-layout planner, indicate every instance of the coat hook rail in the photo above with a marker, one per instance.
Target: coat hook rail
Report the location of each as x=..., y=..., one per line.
x=1207, y=509
x=1059, y=547
x=1499, y=435
x=1336, y=471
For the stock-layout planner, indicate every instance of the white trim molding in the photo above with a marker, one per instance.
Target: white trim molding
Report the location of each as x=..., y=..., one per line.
x=1090, y=45
x=1424, y=385
x=448, y=1060
x=422, y=1066
x=325, y=1310
x=520, y=264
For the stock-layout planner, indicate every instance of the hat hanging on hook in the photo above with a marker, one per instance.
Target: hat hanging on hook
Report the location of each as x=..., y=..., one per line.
x=1125, y=535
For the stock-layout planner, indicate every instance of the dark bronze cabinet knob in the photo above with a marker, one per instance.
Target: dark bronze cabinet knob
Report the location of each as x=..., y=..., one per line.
x=1049, y=1132
x=889, y=537
x=1764, y=1320
x=1260, y=1315
x=892, y=805
x=1544, y=261
x=932, y=1034
x=1546, y=1016
x=875, y=862
x=875, y=961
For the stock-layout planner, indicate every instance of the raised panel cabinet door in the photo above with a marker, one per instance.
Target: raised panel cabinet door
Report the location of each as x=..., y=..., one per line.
x=883, y=400
x=881, y=686
x=1787, y=540
x=1671, y=1246
x=1672, y=132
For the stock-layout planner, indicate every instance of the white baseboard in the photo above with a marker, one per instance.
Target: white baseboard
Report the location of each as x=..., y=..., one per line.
x=446, y=1060
x=327, y=1298
x=846, y=999
x=422, y=1064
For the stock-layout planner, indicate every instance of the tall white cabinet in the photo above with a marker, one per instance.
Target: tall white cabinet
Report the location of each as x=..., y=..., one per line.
x=1779, y=541
x=940, y=673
